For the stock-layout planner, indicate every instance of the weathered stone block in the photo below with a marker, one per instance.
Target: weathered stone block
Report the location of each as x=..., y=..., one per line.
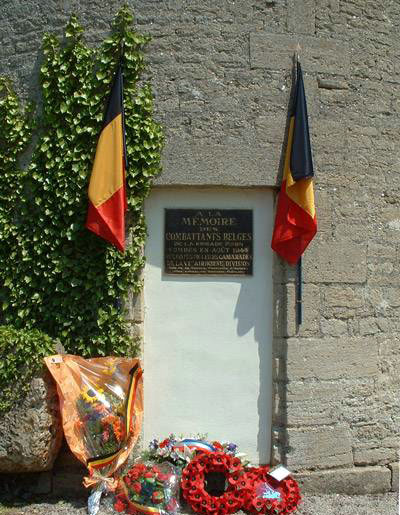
x=319, y=448
x=332, y=358
x=369, y=326
x=394, y=467
x=333, y=327
x=275, y=52
x=351, y=481
x=31, y=433
x=343, y=296
x=311, y=404
x=335, y=263
x=375, y=456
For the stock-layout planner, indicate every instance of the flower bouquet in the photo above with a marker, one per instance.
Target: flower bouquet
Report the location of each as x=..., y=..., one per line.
x=101, y=405
x=180, y=451
x=148, y=490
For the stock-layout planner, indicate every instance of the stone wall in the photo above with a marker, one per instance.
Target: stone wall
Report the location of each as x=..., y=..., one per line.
x=221, y=71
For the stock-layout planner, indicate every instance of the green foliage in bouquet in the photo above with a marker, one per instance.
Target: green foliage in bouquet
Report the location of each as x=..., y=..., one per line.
x=21, y=358
x=56, y=276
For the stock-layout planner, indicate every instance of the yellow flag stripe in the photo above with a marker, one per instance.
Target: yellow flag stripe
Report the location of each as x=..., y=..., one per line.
x=301, y=192
x=102, y=462
x=132, y=398
x=107, y=174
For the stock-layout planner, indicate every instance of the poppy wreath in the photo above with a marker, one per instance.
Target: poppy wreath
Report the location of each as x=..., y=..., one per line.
x=193, y=484
x=284, y=496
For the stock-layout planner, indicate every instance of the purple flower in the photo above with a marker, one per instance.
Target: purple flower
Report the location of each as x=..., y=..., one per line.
x=153, y=445
x=231, y=447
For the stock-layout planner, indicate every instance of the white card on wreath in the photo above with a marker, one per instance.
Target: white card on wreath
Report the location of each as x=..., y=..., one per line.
x=279, y=473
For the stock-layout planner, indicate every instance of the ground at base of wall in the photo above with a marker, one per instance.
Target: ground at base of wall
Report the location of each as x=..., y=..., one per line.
x=384, y=504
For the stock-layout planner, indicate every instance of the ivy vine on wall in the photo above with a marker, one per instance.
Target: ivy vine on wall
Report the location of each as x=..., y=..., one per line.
x=55, y=275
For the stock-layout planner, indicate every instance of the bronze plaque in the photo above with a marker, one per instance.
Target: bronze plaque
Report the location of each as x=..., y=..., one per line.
x=208, y=241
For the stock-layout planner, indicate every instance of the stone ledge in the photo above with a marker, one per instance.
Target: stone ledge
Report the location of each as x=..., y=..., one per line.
x=349, y=481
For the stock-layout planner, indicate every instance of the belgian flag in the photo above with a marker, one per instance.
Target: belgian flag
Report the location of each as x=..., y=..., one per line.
x=295, y=221
x=107, y=189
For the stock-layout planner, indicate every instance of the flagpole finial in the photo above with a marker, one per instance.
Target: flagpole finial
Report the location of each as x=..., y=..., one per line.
x=297, y=52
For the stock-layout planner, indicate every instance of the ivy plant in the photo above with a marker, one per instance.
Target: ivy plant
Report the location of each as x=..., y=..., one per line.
x=56, y=276
x=21, y=358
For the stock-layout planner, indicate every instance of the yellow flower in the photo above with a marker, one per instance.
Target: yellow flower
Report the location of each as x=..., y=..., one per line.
x=111, y=367
x=90, y=394
x=121, y=408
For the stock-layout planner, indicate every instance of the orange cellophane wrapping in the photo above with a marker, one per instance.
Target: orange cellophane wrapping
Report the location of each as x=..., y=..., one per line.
x=72, y=374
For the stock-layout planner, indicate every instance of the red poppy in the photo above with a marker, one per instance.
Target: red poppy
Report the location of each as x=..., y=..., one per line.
x=220, y=460
x=137, y=487
x=185, y=484
x=233, y=479
x=244, y=483
x=157, y=497
x=119, y=506
x=233, y=500
x=201, y=463
x=164, y=443
x=257, y=503
x=195, y=497
x=235, y=465
x=217, y=445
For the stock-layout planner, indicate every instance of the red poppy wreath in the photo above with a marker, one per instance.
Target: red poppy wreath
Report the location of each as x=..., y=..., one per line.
x=269, y=496
x=194, y=481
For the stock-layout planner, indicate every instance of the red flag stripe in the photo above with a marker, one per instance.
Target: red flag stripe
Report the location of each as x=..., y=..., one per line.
x=294, y=228
x=107, y=220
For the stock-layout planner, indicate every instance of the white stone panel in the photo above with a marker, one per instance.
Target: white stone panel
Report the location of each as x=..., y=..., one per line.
x=208, y=339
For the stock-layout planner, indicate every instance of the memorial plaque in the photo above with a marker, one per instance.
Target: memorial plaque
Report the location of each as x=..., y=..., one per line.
x=208, y=241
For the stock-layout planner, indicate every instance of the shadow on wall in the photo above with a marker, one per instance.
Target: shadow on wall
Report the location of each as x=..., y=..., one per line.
x=256, y=319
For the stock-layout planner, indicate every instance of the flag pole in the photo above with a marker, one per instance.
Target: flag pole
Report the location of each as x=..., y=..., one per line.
x=299, y=268
x=299, y=293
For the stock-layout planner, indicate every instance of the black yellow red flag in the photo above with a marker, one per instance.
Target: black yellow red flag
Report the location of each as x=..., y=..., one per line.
x=107, y=188
x=295, y=221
